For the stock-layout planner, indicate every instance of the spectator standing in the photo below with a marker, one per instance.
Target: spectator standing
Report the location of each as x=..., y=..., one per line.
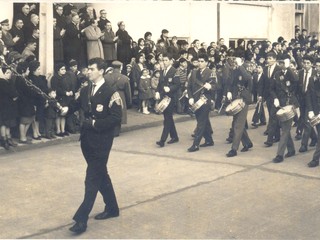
x=94, y=45
x=148, y=43
x=145, y=91
x=8, y=108
x=33, y=24
x=109, y=44
x=102, y=22
x=63, y=87
x=61, y=19
x=50, y=115
x=7, y=38
x=58, y=35
x=16, y=31
x=24, y=15
x=124, y=44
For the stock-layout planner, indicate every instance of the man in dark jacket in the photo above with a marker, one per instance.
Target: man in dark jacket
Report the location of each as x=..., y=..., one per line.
x=168, y=86
x=313, y=108
x=102, y=107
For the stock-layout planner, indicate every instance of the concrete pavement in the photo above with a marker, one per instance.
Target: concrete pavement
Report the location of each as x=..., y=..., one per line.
x=165, y=192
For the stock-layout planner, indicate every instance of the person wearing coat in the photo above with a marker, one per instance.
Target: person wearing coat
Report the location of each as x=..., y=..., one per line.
x=109, y=44
x=124, y=53
x=8, y=108
x=94, y=45
x=121, y=84
x=63, y=87
x=72, y=43
x=58, y=35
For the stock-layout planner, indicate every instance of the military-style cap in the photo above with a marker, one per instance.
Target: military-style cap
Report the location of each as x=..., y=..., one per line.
x=4, y=22
x=116, y=64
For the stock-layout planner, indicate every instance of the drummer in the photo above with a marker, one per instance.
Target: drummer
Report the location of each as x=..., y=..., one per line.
x=313, y=107
x=202, y=82
x=169, y=84
x=239, y=86
x=283, y=92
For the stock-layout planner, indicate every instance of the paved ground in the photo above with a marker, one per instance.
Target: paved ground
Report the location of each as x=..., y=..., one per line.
x=164, y=192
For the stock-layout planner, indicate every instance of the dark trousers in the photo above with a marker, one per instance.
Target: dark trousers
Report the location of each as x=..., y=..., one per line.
x=259, y=114
x=97, y=179
x=285, y=138
x=203, y=128
x=168, y=123
x=239, y=131
x=316, y=154
x=308, y=131
x=273, y=125
x=49, y=128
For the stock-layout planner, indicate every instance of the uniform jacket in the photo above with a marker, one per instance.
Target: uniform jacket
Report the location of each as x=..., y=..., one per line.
x=197, y=80
x=240, y=84
x=171, y=80
x=105, y=108
x=268, y=81
x=121, y=84
x=8, y=40
x=313, y=94
x=302, y=95
x=285, y=88
x=94, y=45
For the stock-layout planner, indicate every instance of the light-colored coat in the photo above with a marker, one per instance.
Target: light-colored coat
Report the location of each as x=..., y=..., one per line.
x=94, y=45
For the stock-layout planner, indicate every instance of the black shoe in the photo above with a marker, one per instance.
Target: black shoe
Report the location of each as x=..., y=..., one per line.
x=11, y=142
x=313, y=163
x=193, y=148
x=229, y=140
x=60, y=134
x=160, y=143
x=106, y=215
x=65, y=134
x=246, y=148
x=277, y=159
x=5, y=144
x=268, y=144
x=193, y=135
x=37, y=138
x=232, y=153
x=303, y=149
x=207, y=144
x=290, y=154
x=79, y=227
x=262, y=124
x=313, y=143
x=173, y=140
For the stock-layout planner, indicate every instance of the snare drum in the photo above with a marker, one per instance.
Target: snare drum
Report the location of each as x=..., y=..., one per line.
x=235, y=107
x=286, y=113
x=202, y=100
x=163, y=104
x=315, y=121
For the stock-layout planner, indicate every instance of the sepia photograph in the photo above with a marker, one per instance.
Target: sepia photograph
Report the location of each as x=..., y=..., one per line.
x=160, y=119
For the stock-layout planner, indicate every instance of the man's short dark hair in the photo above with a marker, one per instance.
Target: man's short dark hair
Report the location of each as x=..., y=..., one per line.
x=307, y=58
x=182, y=60
x=167, y=55
x=204, y=57
x=22, y=67
x=101, y=65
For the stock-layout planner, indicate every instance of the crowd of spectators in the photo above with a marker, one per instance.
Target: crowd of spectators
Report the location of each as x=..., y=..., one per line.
x=80, y=35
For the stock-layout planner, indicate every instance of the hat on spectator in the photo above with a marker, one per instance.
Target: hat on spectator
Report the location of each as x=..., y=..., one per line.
x=22, y=67
x=14, y=56
x=116, y=64
x=109, y=70
x=5, y=22
x=34, y=65
x=72, y=63
x=58, y=66
x=128, y=66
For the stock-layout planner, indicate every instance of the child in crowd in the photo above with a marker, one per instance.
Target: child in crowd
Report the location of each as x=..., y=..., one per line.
x=145, y=92
x=50, y=115
x=154, y=84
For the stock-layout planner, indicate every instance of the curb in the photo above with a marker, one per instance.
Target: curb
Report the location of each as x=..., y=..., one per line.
x=124, y=128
